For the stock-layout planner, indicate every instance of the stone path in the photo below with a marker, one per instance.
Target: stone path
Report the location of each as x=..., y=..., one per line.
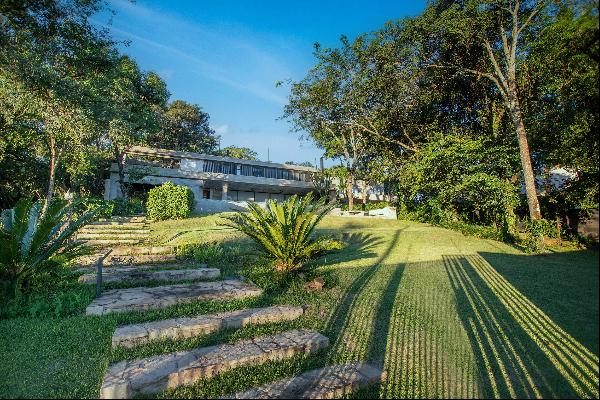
x=178, y=328
x=142, y=298
x=150, y=375
x=138, y=263
x=132, y=230
x=326, y=383
x=130, y=274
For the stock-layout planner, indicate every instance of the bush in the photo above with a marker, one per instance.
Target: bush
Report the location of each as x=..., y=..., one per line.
x=376, y=205
x=170, y=201
x=31, y=242
x=116, y=207
x=284, y=231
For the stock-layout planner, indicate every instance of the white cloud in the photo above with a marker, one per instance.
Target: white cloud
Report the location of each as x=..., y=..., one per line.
x=221, y=129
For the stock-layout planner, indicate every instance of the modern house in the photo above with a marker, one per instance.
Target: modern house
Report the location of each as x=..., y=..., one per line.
x=218, y=183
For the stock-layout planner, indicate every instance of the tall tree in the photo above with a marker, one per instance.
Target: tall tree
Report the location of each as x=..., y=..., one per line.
x=185, y=127
x=50, y=55
x=498, y=28
x=243, y=153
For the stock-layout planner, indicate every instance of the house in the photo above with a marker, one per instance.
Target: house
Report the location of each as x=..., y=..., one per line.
x=218, y=183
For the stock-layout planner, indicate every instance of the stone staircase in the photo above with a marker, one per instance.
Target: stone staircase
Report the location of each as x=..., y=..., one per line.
x=116, y=230
x=140, y=262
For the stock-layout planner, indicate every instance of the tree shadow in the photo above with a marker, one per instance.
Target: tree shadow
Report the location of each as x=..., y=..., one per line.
x=519, y=351
x=340, y=317
x=564, y=285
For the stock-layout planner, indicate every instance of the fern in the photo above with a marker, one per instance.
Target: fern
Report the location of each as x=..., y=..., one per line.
x=284, y=231
x=29, y=238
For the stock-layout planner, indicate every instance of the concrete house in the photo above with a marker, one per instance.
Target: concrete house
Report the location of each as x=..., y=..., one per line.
x=218, y=183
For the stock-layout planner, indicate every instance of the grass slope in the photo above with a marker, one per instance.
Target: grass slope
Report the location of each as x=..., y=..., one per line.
x=446, y=315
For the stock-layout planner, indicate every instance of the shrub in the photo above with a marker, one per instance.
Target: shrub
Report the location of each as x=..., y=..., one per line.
x=116, y=207
x=376, y=205
x=29, y=240
x=284, y=231
x=169, y=201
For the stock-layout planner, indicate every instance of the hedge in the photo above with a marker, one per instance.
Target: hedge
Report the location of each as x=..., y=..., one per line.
x=169, y=201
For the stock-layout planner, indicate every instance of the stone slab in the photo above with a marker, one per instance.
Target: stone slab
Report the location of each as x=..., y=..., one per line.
x=145, y=298
x=124, y=260
x=100, y=242
x=178, y=328
x=125, y=274
x=111, y=236
x=127, y=379
x=110, y=230
x=331, y=382
x=131, y=250
x=118, y=268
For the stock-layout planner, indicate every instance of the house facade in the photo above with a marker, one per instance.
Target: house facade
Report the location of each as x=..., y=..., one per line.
x=218, y=183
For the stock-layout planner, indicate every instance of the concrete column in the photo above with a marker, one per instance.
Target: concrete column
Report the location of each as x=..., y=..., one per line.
x=224, y=191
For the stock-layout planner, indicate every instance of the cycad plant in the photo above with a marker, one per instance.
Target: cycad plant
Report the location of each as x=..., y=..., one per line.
x=30, y=237
x=285, y=231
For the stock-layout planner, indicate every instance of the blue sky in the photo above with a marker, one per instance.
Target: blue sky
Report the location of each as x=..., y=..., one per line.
x=226, y=56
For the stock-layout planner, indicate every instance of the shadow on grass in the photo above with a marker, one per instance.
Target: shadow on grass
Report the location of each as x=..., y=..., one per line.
x=519, y=350
x=563, y=285
x=341, y=317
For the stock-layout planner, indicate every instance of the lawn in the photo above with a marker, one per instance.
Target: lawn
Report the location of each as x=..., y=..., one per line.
x=444, y=314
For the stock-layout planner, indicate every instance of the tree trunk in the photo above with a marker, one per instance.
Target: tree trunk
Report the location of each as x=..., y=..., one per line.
x=54, y=159
x=120, y=157
x=525, y=154
x=349, y=186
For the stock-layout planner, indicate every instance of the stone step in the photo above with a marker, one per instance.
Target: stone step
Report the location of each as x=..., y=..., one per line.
x=140, y=259
x=135, y=218
x=101, y=242
x=127, y=379
x=108, y=236
x=110, y=231
x=138, y=275
x=131, y=250
x=145, y=298
x=107, y=223
x=179, y=328
x=331, y=382
x=117, y=268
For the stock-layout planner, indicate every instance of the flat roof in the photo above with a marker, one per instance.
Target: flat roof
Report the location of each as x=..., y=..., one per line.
x=164, y=153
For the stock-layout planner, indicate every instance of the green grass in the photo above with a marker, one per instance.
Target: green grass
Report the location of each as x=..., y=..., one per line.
x=444, y=314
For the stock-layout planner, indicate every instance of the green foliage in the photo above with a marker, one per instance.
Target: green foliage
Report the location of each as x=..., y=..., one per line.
x=30, y=239
x=185, y=127
x=284, y=231
x=243, y=153
x=169, y=201
x=374, y=205
x=49, y=298
x=535, y=233
x=456, y=179
x=212, y=253
x=109, y=208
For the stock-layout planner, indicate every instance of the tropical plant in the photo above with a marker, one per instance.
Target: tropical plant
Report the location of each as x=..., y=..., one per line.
x=30, y=238
x=284, y=231
x=170, y=201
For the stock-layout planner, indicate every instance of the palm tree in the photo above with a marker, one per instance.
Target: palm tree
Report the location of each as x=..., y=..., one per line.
x=29, y=238
x=284, y=231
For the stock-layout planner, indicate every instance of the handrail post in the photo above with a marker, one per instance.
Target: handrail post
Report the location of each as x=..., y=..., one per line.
x=99, y=264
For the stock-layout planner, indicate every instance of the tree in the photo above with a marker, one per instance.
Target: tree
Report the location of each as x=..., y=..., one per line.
x=562, y=104
x=129, y=108
x=302, y=164
x=497, y=27
x=243, y=153
x=50, y=55
x=185, y=128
